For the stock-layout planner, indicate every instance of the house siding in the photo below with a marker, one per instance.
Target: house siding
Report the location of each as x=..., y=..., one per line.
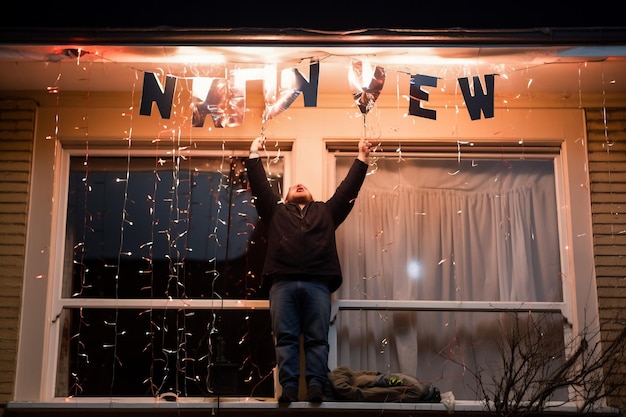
x=17, y=124
x=606, y=140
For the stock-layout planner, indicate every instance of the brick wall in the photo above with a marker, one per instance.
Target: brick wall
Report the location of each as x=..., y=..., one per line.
x=606, y=142
x=17, y=121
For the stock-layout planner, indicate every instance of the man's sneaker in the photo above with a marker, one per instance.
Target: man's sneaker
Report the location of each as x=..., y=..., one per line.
x=315, y=394
x=289, y=395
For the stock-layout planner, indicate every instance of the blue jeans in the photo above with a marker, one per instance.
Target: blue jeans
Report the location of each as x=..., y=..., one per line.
x=301, y=307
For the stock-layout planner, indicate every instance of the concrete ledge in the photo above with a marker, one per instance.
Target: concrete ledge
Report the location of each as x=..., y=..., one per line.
x=249, y=407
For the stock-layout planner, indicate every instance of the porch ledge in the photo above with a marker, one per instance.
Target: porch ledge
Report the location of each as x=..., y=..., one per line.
x=257, y=407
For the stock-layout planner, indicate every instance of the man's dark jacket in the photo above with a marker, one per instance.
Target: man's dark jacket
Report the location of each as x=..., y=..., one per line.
x=301, y=243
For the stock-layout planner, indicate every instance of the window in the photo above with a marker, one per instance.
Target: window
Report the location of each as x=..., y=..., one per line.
x=445, y=252
x=158, y=252
x=171, y=303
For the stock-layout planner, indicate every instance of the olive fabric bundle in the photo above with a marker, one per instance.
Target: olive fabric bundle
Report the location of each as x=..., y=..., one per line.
x=380, y=387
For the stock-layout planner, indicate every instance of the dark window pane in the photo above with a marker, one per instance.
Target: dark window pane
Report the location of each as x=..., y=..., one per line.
x=130, y=352
x=141, y=229
x=153, y=228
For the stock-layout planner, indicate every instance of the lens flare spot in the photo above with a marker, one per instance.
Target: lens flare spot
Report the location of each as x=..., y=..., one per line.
x=414, y=269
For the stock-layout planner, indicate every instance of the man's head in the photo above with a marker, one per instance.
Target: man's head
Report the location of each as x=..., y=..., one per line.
x=298, y=194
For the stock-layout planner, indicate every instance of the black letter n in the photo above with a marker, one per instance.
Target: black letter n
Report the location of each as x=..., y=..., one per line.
x=153, y=92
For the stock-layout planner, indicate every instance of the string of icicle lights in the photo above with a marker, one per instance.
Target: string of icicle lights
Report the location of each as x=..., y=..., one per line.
x=182, y=353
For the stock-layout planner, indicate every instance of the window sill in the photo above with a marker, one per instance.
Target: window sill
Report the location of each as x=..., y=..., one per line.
x=257, y=406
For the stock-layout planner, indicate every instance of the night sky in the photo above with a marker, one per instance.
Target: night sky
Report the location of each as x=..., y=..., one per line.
x=321, y=15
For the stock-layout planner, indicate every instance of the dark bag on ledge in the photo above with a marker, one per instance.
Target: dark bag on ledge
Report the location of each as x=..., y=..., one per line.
x=379, y=387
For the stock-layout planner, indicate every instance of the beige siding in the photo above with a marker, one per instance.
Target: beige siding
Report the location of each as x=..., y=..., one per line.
x=17, y=121
x=607, y=171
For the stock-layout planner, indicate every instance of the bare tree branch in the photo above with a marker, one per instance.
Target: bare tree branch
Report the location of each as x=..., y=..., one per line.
x=538, y=370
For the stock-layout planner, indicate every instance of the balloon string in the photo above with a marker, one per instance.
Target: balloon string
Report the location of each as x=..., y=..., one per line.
x=364, y=126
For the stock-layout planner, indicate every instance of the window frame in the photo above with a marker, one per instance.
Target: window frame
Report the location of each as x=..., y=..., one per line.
x=36, y=368
x=53, y=293
x=575, y=259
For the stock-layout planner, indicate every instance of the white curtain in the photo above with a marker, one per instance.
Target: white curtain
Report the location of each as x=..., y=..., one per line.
x=451, y=230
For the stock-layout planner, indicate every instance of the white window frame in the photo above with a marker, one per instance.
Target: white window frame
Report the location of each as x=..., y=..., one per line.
x=36, y=368
x=50, y=300
x=580, y=303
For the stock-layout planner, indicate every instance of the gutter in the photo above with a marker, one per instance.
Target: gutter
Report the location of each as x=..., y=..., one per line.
x=166, y=36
